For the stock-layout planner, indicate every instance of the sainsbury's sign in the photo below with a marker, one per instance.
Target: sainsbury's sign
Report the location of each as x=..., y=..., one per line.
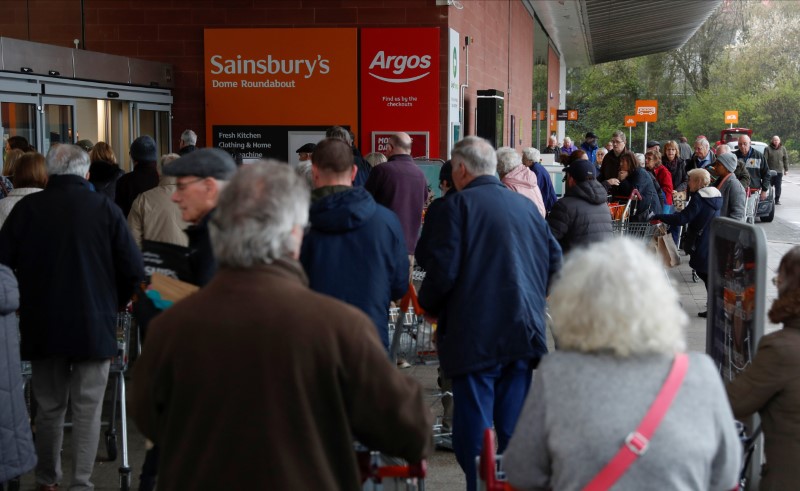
x=400, y=84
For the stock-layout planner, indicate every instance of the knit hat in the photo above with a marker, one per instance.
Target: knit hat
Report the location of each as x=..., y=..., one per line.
x=143, y=149
x=728, y=160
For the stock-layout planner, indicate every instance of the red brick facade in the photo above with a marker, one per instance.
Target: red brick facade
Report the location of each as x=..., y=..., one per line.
x=171, y=31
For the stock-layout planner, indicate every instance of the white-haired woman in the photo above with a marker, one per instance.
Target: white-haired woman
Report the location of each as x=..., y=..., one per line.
x=589, y=398
x=705, y=204
x=771, y=385
x=519, y=178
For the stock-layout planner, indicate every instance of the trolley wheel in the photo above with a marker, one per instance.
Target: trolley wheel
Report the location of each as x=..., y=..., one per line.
x=694, y=276
x=124, y=479
x=111, y=446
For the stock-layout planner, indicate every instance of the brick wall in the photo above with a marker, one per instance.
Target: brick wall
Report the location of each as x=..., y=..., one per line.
x=500, y=57
x=171, y=31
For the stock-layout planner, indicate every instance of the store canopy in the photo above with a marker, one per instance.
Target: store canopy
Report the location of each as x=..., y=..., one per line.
x=588, y=32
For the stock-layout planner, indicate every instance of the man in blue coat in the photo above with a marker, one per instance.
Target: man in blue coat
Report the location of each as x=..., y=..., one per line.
x=487, y=272
x=77, y=265
x=355, y=250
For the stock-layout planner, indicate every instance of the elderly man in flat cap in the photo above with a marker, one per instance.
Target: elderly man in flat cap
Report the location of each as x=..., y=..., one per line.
x=201, y=175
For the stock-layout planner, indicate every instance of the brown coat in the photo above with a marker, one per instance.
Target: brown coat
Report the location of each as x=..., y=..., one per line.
x=771, y=386
x=256, y=382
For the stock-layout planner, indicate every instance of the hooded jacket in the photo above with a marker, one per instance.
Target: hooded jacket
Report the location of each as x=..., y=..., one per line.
x=698, y=214
x=581, y=217
x=355, y=251
x=17, y=455
x=522, y=181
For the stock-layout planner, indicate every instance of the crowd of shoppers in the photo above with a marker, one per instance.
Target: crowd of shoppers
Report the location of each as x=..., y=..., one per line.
x=302, y=279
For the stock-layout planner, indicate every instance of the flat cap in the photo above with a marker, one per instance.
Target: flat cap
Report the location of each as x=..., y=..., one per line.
x=653, y=143
x=205, y=162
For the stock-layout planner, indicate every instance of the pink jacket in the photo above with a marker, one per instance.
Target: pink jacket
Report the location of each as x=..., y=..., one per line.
x=523, y=181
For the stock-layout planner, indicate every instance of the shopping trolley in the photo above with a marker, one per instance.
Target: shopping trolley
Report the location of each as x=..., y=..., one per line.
x=413, y=342
x=378, y=470
x=751, y=206
x=117, y=369
x=622, y=209
x=490, y=466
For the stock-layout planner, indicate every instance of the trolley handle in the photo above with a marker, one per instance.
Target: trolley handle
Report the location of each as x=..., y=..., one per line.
x=635, y=194
x=419, y=470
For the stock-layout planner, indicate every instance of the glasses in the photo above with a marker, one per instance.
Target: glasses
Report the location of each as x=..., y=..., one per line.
x=185, y=184
x=775, y=280
x=616, y=141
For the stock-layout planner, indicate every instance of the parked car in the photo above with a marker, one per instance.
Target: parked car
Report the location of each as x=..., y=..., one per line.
x=766, y=207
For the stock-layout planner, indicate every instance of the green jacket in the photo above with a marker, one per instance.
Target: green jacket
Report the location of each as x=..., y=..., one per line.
x=777, y=158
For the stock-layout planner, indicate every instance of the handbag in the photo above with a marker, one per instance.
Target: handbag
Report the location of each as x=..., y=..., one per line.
x=637, y=442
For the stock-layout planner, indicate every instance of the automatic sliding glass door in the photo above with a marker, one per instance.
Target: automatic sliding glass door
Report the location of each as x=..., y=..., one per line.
x=18, y=117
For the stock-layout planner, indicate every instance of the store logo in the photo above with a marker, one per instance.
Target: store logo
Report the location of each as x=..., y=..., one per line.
x=398, y=66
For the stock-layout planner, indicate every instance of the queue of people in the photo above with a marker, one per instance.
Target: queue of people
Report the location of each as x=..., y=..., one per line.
x=296, y=286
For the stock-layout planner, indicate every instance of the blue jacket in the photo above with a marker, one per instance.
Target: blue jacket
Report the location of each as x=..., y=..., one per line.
x=701, y=210
x=639, y=179
x=545, y=185
x=591, y=151
x=488, y=265
x=355, y=251
x=77, y=265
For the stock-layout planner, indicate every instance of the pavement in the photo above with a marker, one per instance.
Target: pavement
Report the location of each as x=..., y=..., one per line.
x=444, y=473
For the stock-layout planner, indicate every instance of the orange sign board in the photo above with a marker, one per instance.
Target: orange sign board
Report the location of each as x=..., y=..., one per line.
x=553, y=119
x=630, y=122
x=572, y=115
x=732, y=117
x=646, y=111
x=261, y=80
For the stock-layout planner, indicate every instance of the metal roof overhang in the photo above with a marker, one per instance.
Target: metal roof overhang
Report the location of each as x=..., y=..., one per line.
x=588, y=32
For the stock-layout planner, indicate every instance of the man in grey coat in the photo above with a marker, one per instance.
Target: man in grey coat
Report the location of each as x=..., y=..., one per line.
x=733, y=195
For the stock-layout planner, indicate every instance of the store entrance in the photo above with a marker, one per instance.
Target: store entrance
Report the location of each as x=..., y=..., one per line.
x=48, y=110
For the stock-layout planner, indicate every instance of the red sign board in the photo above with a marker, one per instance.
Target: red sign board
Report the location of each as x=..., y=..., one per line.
x=400, y=85
x=420, y=141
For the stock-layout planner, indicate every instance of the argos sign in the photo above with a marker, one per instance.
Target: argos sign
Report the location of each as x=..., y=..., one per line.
x=400, y=84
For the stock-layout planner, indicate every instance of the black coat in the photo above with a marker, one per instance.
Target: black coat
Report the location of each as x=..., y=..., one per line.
x=17, y=455
x=77, y=265
x=103, y=176
x=581, y=217
x=143, y=178
x=201, y=255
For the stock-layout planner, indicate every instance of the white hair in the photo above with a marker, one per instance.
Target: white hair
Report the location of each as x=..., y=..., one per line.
x=507, y=160
x=703, y=142
x=189, y=137
x=640, y=159
x=723, y=149
x=256, y=214
x=602, y=150
x=701, y=174
x=67, y=159
x=478, y=155
x=614, y=297
x=165, y=160
x=531, y=154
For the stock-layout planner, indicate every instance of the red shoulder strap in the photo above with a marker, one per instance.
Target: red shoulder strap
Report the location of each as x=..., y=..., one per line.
x=636, y=443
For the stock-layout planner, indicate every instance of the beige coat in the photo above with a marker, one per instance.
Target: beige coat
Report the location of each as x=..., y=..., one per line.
x=155, y=217
x=771, y=386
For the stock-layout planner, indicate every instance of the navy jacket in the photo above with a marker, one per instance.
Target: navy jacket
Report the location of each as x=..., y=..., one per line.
x=202, y=261
x=488, y=265
x=640, y=179
x=545, y=185
x=77, y=265
x=355, y=252
x=701, y=210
